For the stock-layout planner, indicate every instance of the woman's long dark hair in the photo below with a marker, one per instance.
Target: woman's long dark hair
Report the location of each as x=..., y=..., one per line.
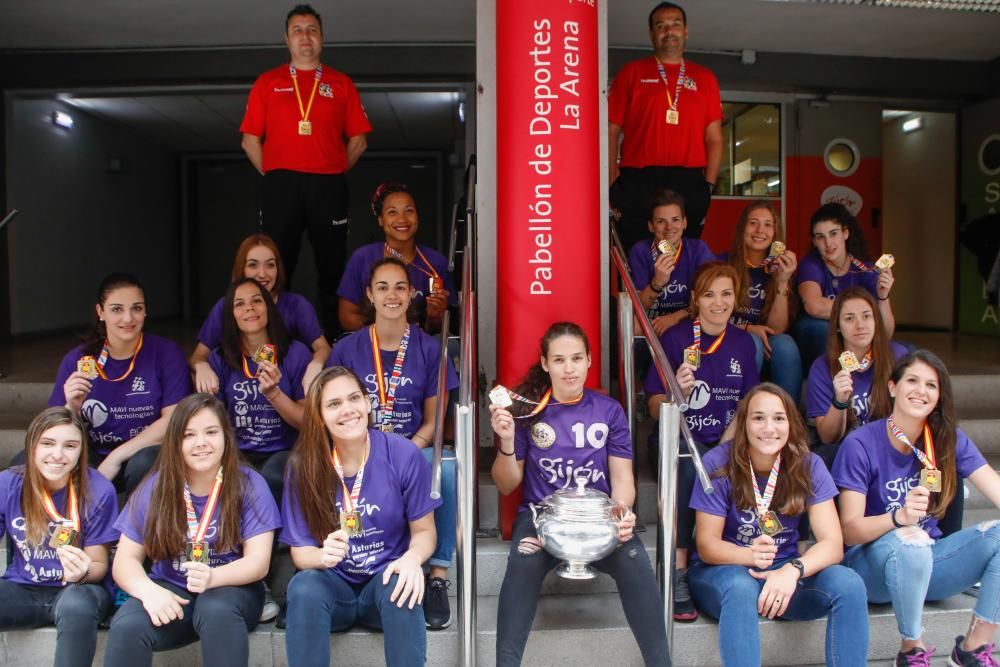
x=943, y=424
x=309, y=467
x=368, y=309
x=882, y=361
x=794, y=486
x=165, y=532
x=232, y=348
x=839, y=214
x=93, y=339
x=536, y=381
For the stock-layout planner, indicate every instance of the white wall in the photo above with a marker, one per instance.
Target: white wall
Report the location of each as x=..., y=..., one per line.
x=919, y=172
x=80, y=221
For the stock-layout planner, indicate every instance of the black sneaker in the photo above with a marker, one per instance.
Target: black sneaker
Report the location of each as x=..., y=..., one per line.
x=977, y=657
x=915, y=657
x=437, y=612
x=684, y=610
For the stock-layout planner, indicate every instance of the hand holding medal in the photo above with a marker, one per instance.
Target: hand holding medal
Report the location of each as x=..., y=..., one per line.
x=197, y=551
x=930, y=474
x=75, y=564
x=199, y=576
x=763, y=551
x=335, y=549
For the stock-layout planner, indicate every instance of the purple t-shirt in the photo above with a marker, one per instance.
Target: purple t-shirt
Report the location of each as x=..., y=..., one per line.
x=417, y=383
x=724, y=377
x=677, y=294
x=868, y=463
x=297, y=314
x=118, y=411
x=396, y=490
x=359, y=269
x=812, y=268
x=258, y=426
x=819, y=390
x=741, y=523
x=571, y=441
x=38, y=564
x=757, y=282
x=259, y=514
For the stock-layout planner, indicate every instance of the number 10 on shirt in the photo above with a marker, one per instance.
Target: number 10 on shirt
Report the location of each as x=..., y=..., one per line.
x=595, y=435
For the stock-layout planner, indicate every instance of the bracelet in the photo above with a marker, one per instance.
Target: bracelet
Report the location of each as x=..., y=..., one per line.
x=785, y=292
x=840, y=406
x=500, y=449
x=880, y=298
x=274, y=395
x=655, y=289
x=892, y=515
x=417, y=435
x=86, y=575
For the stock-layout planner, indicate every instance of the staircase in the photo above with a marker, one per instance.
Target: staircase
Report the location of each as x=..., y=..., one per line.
x=577, y=622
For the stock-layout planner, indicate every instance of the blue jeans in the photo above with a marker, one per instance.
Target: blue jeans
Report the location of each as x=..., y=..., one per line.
x=74, y=610
x=444, y=516
x=223, y=616
x=728, y=593
x=810, y=333
x=907, y=571
x=785, y=366
x=321, y=602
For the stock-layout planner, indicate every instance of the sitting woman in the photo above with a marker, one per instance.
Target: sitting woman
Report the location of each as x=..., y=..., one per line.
x=663, y=267
x=206, y=523
x=401, y=383
x=569, y=421
x=847, y=385
x=396, y=213
x=836, y=262
x=261, y=376
x=765, y=481
x=60, y=517
x=359, y=548
x=123, y=382
x=897, y=476
x=258, y=258
x=715, y=368
x=765, y=305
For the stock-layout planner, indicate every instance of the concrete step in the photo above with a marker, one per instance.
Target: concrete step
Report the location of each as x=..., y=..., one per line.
x=985, y=433
x=24, y=398
x=568, y=630
x=976, y=396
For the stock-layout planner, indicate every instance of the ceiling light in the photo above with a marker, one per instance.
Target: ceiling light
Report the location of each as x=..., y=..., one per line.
x=62, y=119
x=913, y=124
x=774, y=182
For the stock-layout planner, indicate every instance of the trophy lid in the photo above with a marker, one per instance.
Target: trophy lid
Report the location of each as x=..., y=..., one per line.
x=581, y=503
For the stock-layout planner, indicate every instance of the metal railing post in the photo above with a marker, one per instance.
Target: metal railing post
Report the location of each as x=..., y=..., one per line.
x=442, y=407
x=627, y=358
x=670, y=418
x=465, y=444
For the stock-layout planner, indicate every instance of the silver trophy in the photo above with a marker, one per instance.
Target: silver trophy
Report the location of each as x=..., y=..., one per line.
x=579, y=526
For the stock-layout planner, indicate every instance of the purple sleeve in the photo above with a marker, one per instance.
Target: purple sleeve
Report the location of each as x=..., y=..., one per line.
x=640, y=264
x=415, y=477
x=99, y=523
x=852, y=467
x=210, y=334
x=718, y=502
x=810, y=270
x=131, y=521
x=306, y=320
x=968, y=458
x=295, y=530
x=218, y=364
x=653, y=384
x=751, y=375
x=299, y=357
x=823, y=487
x=175, y=376
x=522, y=440
x=66, y=368
x=352, y=283
x=870, y=282
x=703, y=255
x=260, y=513
x=819, y=389
x=619, y=438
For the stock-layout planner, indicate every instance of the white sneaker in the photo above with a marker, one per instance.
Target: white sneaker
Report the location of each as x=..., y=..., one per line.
x=270, y=610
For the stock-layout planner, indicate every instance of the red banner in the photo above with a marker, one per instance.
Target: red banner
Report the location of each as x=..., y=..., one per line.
x=548, y=181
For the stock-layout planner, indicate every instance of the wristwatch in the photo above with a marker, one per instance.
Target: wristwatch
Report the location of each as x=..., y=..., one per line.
x=797, y=564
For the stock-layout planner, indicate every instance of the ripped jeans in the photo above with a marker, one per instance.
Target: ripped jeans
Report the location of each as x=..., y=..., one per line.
x=527, y=566
x=906, y=567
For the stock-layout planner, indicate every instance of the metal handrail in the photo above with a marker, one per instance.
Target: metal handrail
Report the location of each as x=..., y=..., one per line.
x=442, y=407
x=670, y=421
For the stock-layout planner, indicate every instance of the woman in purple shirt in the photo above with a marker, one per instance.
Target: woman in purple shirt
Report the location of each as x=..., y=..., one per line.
x=258, y=258
x=897, y=477
x=359, y=519
x=717, y=372
x=207, y=525
x=407, y=406
x=396, y=213
x=765, y=306
x=131, y=386
x=837, y=261
x=262, y=396
x=50, y=580
x=748, y=561
x=565, y=433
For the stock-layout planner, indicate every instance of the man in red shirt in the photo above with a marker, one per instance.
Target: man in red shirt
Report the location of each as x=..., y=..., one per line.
x=671, y=115
x=303, y=129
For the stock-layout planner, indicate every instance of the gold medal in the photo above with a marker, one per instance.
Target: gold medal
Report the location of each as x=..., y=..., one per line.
x=436, y=284
x=305, y=127
x=88, y=366
x=930, y=479
x=692, y=355
x=664, y=247
x=197, y=551
x=265, y=352
x=500, y=396
x=673, y=117
x=350, y=523
x=769, y=524
x=63, y=536
x=848, y=361
x=885, y=262
x=385, y=428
